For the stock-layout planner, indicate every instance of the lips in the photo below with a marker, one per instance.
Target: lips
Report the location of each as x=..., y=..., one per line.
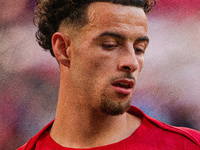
x=124, y=86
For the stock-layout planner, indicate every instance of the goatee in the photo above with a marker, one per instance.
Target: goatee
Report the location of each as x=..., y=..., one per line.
x=113, y=108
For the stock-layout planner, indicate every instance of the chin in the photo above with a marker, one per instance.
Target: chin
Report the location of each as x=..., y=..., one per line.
x=114, y=108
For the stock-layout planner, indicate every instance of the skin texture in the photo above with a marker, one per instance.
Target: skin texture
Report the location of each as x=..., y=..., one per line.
x=110, y=47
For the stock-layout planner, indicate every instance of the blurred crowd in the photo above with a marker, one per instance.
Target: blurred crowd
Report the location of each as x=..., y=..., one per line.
x=168, y=88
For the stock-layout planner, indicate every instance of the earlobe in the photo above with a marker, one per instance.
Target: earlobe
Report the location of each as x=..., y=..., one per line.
x=61, y=48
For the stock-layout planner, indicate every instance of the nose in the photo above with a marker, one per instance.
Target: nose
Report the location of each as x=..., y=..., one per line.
x=128, y=62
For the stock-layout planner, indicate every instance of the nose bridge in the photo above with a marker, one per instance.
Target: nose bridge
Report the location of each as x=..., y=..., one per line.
x=128, y=60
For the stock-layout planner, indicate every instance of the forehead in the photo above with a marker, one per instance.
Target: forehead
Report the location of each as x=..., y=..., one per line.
x=109, y=16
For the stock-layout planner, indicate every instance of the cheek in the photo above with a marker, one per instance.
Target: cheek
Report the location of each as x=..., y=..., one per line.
x=106, y=62
x=100, y=69
x=141, y=63
x=98, y=66
x=100, y=61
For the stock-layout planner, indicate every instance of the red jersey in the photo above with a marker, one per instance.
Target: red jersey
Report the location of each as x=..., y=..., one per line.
x=150, y=135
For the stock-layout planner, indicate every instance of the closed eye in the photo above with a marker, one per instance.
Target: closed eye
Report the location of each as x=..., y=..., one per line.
x=109, y=46
x=140, y=47
x=139, y=51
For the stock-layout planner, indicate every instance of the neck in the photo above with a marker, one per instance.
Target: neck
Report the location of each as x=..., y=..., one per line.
x=77, y=125
x=80, y=128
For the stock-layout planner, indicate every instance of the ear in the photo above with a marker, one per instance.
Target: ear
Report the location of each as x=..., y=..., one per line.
x=61, y=48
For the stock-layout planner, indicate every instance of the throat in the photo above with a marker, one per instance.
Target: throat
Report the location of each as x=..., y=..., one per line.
x=98, y=133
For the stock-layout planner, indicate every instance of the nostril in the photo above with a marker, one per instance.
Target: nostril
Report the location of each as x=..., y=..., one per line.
x=126, y=68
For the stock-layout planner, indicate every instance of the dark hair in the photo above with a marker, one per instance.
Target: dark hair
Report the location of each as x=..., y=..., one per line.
x=51, y=13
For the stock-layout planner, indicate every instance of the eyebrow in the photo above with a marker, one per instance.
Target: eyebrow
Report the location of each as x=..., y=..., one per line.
x=113, y=34
x=120, y=36
x=141, y=39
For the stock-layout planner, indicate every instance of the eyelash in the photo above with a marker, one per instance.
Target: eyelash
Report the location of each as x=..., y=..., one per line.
x=109, y=46
x=113, y=46
x=139, y=51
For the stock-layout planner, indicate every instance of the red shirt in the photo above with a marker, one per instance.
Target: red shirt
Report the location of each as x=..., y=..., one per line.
x=151, y=135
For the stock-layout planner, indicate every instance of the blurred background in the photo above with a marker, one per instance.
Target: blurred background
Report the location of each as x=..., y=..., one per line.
x=168, y=88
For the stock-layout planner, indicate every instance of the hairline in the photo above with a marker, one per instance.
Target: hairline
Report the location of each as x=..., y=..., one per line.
x=67, y=24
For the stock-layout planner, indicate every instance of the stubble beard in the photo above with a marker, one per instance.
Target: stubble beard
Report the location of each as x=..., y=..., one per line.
x=113, y=107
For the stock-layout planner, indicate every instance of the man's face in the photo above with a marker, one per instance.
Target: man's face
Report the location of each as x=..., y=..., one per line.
x=108, y=56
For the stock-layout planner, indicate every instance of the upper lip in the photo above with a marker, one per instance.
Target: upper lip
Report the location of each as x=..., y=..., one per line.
x=126, y=83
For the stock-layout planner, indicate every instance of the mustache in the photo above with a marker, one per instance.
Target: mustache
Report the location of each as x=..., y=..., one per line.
x=127, y=76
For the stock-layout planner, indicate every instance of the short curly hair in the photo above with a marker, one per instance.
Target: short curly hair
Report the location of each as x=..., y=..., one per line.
x=49, y=14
